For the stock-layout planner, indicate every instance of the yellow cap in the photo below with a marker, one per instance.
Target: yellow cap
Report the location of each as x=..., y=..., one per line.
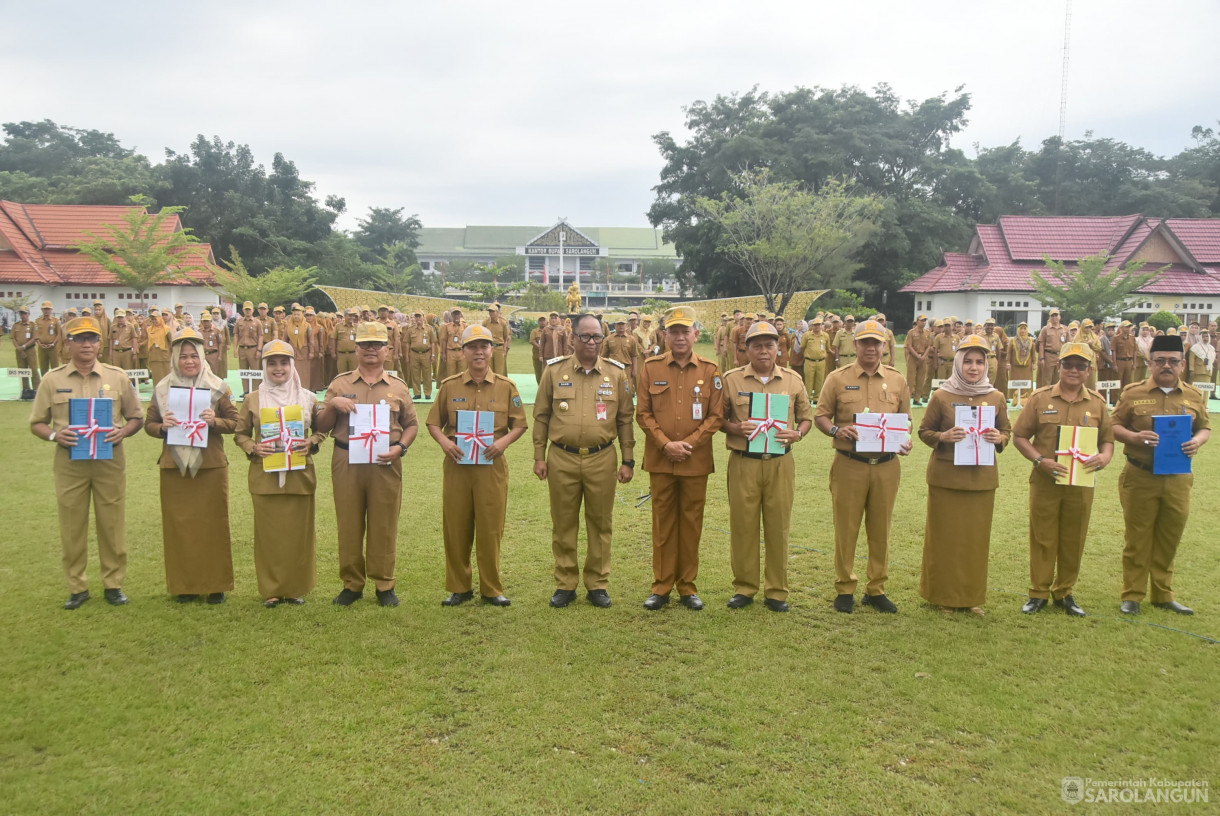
x=352, y=310
x=205, y=317
x=879, y=316
x=922, y=317
x=309, y=310
x=177, y=305
x=296, y=307
x=849, y=317
x=871, y=329
x=186, y=333
x=495, y=307
x=70, y=311
x=278, y=309
x=1125, y=323
x=277, y=348
x=476, y=332
x=989, y=321
x=975, y=342
x=82, y=325
x=1076, y=350
x=249, y=304
x=1054, y=311
x=680, y=316
x=1087, y=322
x=46, y=304
x=85, y=310
x=761, y=329
x=262, y=305
x=23, y=310
x=372, y=332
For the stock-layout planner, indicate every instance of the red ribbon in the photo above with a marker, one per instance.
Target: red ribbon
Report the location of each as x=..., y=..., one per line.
x=1074, y=454
x=90, y=431
x=479, y=440
x=286, y=438
x=370, y=437
x=882, y=426
x=765, y=423
x=977, y=430
x=194, y=427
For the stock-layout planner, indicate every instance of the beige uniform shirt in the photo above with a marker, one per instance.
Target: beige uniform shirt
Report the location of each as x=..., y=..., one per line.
x=62, y=384
x=386, y=389
x=584, y=409
x=741, y=382
x=850, y=390
x=460, y=392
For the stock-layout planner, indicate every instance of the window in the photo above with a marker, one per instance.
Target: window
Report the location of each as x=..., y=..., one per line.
x=425, y=266
x=586, y=264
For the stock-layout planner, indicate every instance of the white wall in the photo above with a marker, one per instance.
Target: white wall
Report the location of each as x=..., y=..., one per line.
x=193, y=298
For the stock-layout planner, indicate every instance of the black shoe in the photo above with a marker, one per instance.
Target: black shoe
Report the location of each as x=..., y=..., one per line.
x=880, y=603
x=1068, y=604
x=1129, y=607
x=776, y=605
x=294, y=601
x=115, y=596
x=845, y=603
x=187, y=598
x=739, y=601
x=563, y=597
x=76, y=599
x=348, y=597
x=691, y=602
x=387, y=597
x=497, y=600
x=458, y=598
x=1174, y=606
x=272, y=603
x=599, y=598
x=1034, y=605
x=656, y=601
x=216, y=598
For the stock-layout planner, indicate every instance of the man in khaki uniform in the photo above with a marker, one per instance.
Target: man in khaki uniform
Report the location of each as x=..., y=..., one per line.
x=863, y=487
x=720, y=342
x=213, y=343
x=46, y=337
x=103, y=320
x=1155, y=506
x=1050, y=339
x=536, y=346
x=583, y=405
x=1059, y=514
x=27, y=355
x=475, y=496
x=63, y=352
x=344, y=341
x=736, y=352
x=621, y=347
x=250, y=333
x=918, y=347
x=501, y=339
x=815, y=345
x=679, y=406
x=761, y=486
x=450, y=346
x=1124, y=354
x=102, y=481
x=269, y=326
x=417, y=348
x=368, y=498
x=319, y=340
x=122, y=342
x=945, y=348
x=844, y=345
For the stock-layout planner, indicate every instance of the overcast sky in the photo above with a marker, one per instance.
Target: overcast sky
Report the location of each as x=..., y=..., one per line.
x=519, y=112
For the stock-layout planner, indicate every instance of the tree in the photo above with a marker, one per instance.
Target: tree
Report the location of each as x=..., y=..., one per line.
x=1164, y=320
x=277, y=286
x=399, y=272
x=782, y=234
x=491, y=292
x=384, y=227
x=1089, y=290
x=147, y=252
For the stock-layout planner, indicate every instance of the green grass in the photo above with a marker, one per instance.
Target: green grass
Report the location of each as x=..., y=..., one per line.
x=158, y=708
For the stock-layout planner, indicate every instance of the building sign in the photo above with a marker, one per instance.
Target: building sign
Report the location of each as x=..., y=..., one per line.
x=567, y=250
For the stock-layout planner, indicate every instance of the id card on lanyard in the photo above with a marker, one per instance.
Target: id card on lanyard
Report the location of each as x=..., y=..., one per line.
x=696, y=406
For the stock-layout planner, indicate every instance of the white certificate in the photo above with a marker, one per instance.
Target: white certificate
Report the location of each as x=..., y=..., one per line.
x=370, y=434
x=186, y=404
x=974, y=450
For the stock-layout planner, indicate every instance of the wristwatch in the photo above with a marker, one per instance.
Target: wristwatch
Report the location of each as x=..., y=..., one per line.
x=404, y=447
x=629, y=463
x=51, y=438
x=834, y=430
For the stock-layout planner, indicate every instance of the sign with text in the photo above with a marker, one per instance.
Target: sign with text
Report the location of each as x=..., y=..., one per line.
x=1023, y=385
x=136, y=373
x=18, y=372
x=250, y=373
x=1109, y=385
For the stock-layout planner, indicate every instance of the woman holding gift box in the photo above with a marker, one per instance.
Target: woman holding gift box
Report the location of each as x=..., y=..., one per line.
x=284, y=543
x=957, y=534
x=194, y=480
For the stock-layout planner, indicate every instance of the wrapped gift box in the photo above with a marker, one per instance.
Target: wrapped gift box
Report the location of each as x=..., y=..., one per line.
x=284, y=426
x=370, y=434
x=186, y=404
x=1076, y=445
x=977, y=420
x=475, y=432
x=92, y=419
x=770, y=411
x=882, y=433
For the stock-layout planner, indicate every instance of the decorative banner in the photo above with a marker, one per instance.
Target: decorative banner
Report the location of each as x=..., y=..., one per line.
x=370, y=434
x=250, y=373
x=1167, y=456
x=284, y=426
x=770, y=411
x=92, y=419
x=19, y=372
x=882, y=433
x=1077, y=444
x=186, y=404
x=137, y=373
x=974, y=450
x=475, y=432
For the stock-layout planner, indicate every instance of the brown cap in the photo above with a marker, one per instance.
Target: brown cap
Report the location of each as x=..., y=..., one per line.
x=761, y=329
x=870, y=329
x=186, y=333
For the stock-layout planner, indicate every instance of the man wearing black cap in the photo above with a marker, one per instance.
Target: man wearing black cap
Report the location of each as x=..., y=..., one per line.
x=1155, y=506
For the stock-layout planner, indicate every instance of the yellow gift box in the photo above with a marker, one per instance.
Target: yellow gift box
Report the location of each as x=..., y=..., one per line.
x=1077, y=444
x=284, y=426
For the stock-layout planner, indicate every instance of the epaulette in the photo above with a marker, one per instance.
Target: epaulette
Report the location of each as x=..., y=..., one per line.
x=400, y=379
x=452, y=377
x=1041, y=389
x=654, y=357
x=738, y=368
x=559, y=359
x=1191, y=386
x=58, y=367
x=615, y=362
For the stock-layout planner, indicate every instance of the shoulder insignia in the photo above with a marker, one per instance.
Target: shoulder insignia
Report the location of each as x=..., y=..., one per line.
x=452, y=377
x=516, y=401
x=718, y=383
x=554, y=360
x=615, y=362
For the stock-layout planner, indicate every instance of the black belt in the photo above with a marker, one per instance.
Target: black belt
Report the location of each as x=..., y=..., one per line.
x=1128, y=359
x=247, y=346
x=750, y=455
x=1048, y=351
x=581, y=451
x=868, y=460
x=121, y=351
x=1140, y=465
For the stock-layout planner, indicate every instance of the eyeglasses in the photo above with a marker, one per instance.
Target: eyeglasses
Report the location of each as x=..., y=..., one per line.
x=1165, y=362
x=370, y=345
x=590, y=338
x=1075, y=366
x=87, y=338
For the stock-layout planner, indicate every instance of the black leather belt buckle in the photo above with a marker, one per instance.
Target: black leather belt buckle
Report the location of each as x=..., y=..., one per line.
x=1140, y=465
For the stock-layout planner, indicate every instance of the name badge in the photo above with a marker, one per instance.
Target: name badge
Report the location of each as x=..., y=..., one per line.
x=601, y=410
x=568, y=384
x=697, y=410
x=660, y=382
x=458, y=399
x=851, y=388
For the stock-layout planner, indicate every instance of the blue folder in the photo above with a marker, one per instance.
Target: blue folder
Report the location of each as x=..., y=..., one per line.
x=95, y=445
x=1173, y=430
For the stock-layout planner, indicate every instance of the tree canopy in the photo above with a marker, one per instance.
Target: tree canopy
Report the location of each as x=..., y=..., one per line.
x=1090, y=290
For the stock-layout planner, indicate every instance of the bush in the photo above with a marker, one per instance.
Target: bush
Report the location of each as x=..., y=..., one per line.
x=1164, y=321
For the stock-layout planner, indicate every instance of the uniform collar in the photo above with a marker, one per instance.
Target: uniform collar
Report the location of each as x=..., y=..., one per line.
x=354, y=377
x=577, y=365
x=694, y=360
x=776, y=374
x=1057, y=392
x=490, y=378
x=858, y=370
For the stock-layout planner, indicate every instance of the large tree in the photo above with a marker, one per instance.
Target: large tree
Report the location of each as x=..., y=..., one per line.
x=277, y=286
x=1090, y=290
x=782, y=235
x=384, y=227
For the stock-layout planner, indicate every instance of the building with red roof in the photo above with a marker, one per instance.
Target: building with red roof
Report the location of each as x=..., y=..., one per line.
x=38, y=261
x=992, y=277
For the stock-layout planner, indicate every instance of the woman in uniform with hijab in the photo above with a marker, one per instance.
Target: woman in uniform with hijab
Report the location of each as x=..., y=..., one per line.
x=194, y=481
x=957, y=534
x=1021, y=354
x=284, y=544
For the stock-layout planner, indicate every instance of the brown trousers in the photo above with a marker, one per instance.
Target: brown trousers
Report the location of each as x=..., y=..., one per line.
x=862, y=492
x=537, y=370
x=105, y=482
x=367, y=502
x=28, y=358
x=1058, y=524
x=677, y=524
x=815, y=375
x=248, y=359
x=499, y=361
x=419, y=374
x=573, y=479
x=475, y=503
x=1155, y=509
x=346, y=362
x=760, y=495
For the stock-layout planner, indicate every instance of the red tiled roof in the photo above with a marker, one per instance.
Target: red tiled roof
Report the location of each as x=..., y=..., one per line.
x=41, y=237
x=1014, y=248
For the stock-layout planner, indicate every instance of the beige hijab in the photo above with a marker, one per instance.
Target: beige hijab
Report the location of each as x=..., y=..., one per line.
x=290, y=392
x=187, y=457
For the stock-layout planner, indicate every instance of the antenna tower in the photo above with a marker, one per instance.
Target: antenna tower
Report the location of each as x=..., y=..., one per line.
x=1063, y=87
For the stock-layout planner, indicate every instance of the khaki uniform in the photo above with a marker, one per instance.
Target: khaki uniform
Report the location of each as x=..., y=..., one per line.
x=103, y=320
x=919, y=369
x=77, y=483
x=761, y=487
x=844, y=346
x=368, y=498
x=1022, y=362
x=501, y=335
x=158, y=352
x=123, y=346
x=665, y=411
x=946, y=349
x=451, y=347
x=22, y=336
x=581, y=414
x=1058, y=514
x=961, y=499
x=213, y=348
x=296, y=333
x=625, y=350
x=1155, y=507
x=417, y=356
x=319, y=340
x=1050, y=340
x=555, y=342
x=863, y=487
x=475, y=496
x=47, y=334
x=345, y=347
x=1124, y=358
x=737, y=345
x=536, y=353
x=720, y=342
x=814, y=346
x=644, y=336
x=248, y=334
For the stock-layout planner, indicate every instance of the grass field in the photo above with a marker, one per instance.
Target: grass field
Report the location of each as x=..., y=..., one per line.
x=161, y=708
